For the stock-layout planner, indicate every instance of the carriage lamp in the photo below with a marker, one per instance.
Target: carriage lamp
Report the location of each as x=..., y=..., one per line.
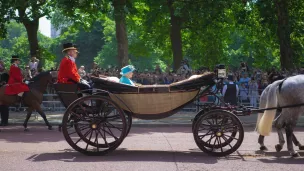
x=220, y=71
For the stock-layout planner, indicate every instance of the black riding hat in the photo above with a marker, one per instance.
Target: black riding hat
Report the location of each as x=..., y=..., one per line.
x=69, y=46
x=14, y=58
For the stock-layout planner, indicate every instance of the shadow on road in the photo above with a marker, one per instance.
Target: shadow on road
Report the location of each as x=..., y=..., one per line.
x=121, y=155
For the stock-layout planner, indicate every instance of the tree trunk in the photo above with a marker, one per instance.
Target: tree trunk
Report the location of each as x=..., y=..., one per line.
x=32, y=34
x=121, y=32
x=176, y=37
x=284, y=34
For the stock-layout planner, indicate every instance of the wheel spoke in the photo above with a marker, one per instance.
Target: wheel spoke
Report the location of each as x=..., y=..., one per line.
x=209, y=141
x=220, y=143
x=210, y=122
x=72, y=133
x=96, y=140
x=89, y=141
x=230, y=137
x=204, y=129
x=214, y=143
x=202, y=136
x=112, y=126
x=104, y=138
x=227, y=141
x=110, y=133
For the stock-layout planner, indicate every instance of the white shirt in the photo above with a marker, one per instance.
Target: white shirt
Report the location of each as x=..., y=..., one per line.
x=33, y=65
x=225, y=88
x=73, y=59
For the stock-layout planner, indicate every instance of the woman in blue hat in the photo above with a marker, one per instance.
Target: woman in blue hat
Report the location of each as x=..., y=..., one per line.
x=127, y=73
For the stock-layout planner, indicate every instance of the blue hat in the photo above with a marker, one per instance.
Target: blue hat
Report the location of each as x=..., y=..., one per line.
x=127, y=69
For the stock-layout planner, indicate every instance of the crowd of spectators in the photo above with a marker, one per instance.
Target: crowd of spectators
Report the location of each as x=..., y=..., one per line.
x=251, y=81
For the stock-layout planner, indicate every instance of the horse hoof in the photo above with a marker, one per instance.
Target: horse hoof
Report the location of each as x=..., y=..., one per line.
x=26, y=129
x=263, y=148
x=59, y=128
x=278, y=147
x=296, y=155
x=50, y=128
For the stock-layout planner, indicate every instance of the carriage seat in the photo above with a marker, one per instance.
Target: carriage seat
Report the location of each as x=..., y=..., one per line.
x=67, y=93
x=194, y=82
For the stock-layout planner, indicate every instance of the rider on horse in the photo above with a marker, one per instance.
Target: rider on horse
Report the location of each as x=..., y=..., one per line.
x=68, y=72
x=15, y=85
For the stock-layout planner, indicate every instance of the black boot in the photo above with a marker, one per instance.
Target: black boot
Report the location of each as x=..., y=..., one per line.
x=4, y=115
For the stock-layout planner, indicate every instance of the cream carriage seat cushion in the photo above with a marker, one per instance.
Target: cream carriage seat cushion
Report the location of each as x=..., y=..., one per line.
x=113, y=79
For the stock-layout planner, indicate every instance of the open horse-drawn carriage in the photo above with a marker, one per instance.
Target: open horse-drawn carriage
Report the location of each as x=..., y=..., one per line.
x=98, y=123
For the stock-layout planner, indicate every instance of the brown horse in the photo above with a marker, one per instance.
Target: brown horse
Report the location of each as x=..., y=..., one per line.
x=33, y=98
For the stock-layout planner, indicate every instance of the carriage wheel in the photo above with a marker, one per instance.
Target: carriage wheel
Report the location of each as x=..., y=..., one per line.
x=218, y=133
x=94, y=125
x=213, y=120
x=197, y=116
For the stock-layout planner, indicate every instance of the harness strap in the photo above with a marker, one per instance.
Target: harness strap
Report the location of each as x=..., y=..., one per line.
x=275, y=108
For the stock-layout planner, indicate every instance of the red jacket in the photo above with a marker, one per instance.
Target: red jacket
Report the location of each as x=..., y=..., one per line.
x=68, y=70
x=15, y=84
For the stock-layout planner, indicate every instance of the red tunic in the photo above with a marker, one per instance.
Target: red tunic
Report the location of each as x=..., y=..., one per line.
x=15, y=84
x=68, y=70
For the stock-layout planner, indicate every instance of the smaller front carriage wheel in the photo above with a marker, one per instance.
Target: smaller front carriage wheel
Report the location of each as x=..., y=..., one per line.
x=218, y=133
x=94, y=125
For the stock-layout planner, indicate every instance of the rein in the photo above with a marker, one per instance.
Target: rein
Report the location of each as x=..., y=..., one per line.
x=19, y=83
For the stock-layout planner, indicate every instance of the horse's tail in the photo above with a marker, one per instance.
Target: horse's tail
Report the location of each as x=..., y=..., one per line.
x=280, y=85
x=265, y=123
x=263, y=100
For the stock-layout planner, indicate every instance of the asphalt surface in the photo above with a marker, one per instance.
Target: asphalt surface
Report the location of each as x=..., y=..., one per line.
x=180, y=118
x=145, y=149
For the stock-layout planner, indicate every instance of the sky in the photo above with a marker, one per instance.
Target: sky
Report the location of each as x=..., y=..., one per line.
x=45, y=26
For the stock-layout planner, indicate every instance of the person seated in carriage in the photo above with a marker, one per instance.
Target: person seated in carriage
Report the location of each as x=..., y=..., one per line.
x=68, y=72
x=15, y=84
x=127, y=73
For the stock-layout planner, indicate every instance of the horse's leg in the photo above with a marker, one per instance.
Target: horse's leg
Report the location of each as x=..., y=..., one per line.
x=261, y=142
x=279, y=146
x=289, y=132
x=28, y=115
x=278, y=123
x=296, y=142
x=42, y=114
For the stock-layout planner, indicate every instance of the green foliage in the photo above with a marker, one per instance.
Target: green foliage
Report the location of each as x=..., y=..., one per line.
x=89, y=43
x=17, y=44
x=22, y=11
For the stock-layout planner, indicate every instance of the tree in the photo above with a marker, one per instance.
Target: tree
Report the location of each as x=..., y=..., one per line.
x=277, y=16
x=88, y=11
x=89, y=42
x=27, y=12
x=17, y=43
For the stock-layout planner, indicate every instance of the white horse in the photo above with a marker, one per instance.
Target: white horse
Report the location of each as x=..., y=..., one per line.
x=279, y=94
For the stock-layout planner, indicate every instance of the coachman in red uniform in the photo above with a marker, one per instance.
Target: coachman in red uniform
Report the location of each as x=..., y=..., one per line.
x=68, y=72
x=15, y=85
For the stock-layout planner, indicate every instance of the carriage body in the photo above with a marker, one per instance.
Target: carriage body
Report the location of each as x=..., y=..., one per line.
x=143, y=102
x=155, y=101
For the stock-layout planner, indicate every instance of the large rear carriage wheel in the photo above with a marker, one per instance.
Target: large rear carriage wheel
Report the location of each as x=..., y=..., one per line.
x=94, y=125
x=218, y=133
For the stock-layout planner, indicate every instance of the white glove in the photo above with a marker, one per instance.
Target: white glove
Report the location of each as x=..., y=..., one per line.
x=26, y=82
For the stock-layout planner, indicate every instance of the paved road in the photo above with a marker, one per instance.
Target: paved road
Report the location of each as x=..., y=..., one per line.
x=180, y=118
x=145, y=149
